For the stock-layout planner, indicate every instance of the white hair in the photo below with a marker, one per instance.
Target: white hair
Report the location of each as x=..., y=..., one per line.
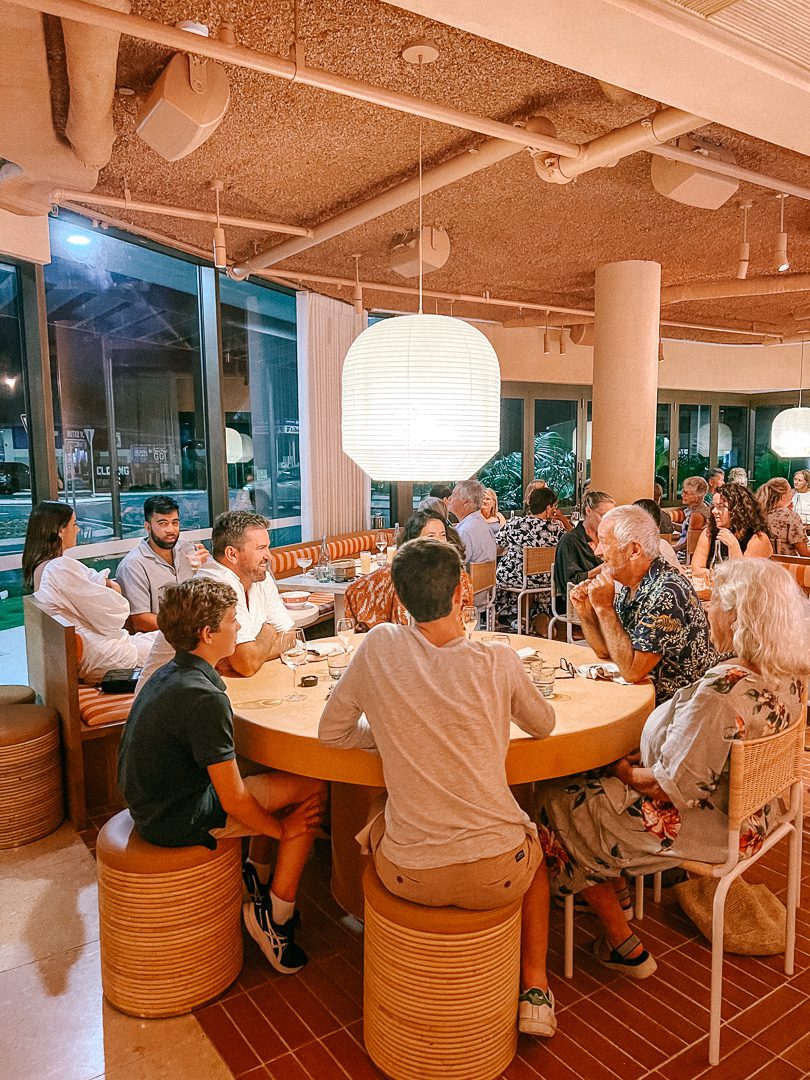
x=696, y=483
x=632, y=523
x=471, y=491
x=772, y=625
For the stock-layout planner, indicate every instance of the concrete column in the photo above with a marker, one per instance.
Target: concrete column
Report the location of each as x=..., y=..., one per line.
x=625, y=379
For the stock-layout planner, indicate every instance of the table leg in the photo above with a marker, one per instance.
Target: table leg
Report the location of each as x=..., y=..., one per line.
x=350, y=807
x=340, y=607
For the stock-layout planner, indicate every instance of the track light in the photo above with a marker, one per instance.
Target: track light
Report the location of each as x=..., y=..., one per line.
x=562, y=342
x=546, y=339
x=781, y=256
x=660, y=351
x=358, y=288
x=744, y=251
x=220, y=250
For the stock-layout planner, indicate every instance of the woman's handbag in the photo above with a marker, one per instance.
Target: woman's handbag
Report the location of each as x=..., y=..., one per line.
x=755, y=919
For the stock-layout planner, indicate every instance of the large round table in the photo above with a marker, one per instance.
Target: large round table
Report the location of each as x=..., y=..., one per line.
x=597, y=722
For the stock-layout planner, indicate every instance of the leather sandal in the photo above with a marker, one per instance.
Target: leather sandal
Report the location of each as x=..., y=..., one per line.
x=618, y=959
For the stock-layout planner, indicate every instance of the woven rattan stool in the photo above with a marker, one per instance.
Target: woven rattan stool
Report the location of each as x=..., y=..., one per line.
x=440, y=988
x=170, y=927
x=17, y=695
x=31, y=803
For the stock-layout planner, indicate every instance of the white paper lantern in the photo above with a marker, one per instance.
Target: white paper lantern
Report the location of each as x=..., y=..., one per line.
x=246, y=453
x=723, y=440
x=233, y=446
x=421, y=399
x=790, y=433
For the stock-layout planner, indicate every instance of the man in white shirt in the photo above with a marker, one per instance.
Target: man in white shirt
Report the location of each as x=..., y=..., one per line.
x=241, y=556
x=465, y=503
x=451, y=832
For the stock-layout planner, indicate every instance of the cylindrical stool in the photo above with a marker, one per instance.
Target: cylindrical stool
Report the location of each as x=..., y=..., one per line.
x=441, y=987
x=170, y=926
x=31, y=803
x=17, y=695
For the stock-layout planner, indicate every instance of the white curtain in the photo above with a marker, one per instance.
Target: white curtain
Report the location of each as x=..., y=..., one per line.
x=335, y=493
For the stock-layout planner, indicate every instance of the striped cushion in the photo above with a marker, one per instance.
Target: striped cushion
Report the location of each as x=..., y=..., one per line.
x=284, y=563
x=97, y=709
x=801, y=572
x=676, y=514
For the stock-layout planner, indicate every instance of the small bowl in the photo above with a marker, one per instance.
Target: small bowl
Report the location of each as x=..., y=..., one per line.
x=294, y=599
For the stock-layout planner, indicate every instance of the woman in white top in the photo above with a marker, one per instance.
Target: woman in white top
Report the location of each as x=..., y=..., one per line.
x=86, y=598
x=801, y=500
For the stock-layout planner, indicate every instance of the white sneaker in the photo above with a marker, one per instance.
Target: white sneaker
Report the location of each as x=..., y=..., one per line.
x=536, y=1013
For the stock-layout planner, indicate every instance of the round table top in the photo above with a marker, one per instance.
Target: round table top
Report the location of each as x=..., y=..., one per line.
x=597, y=722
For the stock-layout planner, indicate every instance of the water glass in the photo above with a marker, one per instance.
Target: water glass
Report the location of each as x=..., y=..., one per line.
x=469, y=619
x=365, y=562
x=543, y=675
x=345, y=631
x=195, y=553
x=337, y=662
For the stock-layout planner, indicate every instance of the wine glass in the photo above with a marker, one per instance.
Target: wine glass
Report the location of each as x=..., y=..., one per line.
x=304, y=561
x=345, y=631
x=469, y=619
x=294, y=654
x=574, y=519
x=381, y=543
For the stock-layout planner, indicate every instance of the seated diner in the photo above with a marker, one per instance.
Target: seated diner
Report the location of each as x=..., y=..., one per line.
x=540, y=527
x=785, y=528
x=576, y=557
x=736, y=529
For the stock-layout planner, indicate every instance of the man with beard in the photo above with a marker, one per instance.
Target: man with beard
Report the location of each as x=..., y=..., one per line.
x=145, y=571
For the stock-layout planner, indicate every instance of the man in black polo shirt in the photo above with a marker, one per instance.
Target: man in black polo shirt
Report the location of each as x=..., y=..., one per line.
x=178, y=774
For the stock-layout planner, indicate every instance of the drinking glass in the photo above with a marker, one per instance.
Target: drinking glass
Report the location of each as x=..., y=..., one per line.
x=345, y=631
x=575, y=516
x=304, y=561
x=337, y=662
x=294, y=655
x=195, y=554
x=543, y=675
x=469, y=619
x=381, y=543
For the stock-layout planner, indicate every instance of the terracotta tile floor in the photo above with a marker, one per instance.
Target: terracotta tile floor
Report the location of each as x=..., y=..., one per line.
x=309, y=1026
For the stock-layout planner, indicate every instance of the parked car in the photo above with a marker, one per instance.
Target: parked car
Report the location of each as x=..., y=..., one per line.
x=15, y=476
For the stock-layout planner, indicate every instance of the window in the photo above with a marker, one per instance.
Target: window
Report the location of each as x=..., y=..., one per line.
x=766, y=463
x=382, y=498
x=555, y=441
x=732, y=436
x=260, y=392
x=504, y=472
x=694, y=439
x=123, y=326
x=662, y=423
x=15, y=470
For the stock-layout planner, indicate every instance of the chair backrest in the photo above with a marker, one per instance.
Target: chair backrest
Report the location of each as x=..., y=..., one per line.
x=761, y=769
x=692, y=538
x=798, y=568
x=571, y=611
x=538, y=560
x=482, y=575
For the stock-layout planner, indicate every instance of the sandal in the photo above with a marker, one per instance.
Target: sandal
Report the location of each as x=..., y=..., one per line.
x=618, y=959
x=580, y=905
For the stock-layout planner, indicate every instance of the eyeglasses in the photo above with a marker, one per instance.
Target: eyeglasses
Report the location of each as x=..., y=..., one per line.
x=566, y=669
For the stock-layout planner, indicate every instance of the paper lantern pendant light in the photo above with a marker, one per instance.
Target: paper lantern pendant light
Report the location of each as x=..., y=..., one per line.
x=790, y=433
x=421, y=399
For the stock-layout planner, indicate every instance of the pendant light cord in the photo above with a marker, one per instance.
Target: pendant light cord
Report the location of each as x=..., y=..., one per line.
x=420, y=190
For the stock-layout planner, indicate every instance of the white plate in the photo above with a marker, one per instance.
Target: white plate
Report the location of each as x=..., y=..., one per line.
x=586, y=669
x=300, y=610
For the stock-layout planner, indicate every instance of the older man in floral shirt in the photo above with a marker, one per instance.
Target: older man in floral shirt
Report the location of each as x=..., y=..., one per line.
x=656, y=626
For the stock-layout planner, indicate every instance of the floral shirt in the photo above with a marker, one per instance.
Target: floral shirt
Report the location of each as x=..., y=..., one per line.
x=520, y=533
x=372, y=599
x=785, y=528
x=665, y=616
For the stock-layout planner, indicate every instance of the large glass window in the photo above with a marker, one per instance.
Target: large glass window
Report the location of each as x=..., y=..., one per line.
x=732, y=436
x=260, y=392
x=504, y=472
x=15, y=471
x=694, y=430
x=766, y=463
x=555, y=441
x=662, y=424
x=123, y=327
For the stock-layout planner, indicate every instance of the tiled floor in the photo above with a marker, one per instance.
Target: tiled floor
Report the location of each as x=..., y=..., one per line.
x=309, y=1027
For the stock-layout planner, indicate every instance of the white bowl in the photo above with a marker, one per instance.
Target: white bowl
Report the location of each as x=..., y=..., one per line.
x=295, y=599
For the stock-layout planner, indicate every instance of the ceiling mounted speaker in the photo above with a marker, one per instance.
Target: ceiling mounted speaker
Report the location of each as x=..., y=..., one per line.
x=184, y=107
x=435, y=251
x=690, y=184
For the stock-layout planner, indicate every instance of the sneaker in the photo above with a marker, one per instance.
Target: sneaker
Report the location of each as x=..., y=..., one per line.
x=536, y=1013
x=276, y=942
x=254, y=890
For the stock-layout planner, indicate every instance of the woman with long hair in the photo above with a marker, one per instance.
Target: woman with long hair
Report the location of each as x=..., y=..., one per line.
x=86, y=598
x=490, y=512
x=784, y=525
x=736, y=529
x=801, y=500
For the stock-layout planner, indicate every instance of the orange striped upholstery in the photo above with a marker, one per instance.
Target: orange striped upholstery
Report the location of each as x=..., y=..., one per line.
x=800, y=571
x=283, y=563
x=676, y=513
x=97, y=709
x=697, y=522
x=325, y=601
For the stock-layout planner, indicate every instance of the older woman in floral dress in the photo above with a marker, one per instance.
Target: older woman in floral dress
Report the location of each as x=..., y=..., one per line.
x=668, y=802
x=542, y=526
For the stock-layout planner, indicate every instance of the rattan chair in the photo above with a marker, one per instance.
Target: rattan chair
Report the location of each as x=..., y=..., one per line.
x=536, y=560
x=482, y=575
x=570, y=618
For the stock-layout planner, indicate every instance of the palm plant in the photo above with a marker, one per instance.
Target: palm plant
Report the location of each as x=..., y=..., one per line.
x=554, y=462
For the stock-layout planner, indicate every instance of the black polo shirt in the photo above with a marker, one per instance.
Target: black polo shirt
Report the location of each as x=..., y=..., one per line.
x=180, y=723
x=573, y=561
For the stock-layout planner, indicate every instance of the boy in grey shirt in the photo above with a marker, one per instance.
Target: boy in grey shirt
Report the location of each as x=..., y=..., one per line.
x=439, y=708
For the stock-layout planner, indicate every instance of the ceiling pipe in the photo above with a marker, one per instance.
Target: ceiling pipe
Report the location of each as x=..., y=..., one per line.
x=180, y=40
x=62, y=196
x=700, y=160
x=727, y=290
x=463, y=165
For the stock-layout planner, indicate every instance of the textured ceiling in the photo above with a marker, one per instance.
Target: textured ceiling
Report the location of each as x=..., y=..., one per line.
x=291, y=153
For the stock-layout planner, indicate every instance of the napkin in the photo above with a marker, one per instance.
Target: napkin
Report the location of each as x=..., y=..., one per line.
x=319, y=650
x=527, y=653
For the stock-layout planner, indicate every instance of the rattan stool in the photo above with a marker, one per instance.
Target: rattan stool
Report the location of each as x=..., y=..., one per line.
x=31, y=803
x=17, y=695
x=440, y=987
x=170, y=926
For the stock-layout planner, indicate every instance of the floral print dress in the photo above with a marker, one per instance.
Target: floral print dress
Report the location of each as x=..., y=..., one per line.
x=593, y=826
x=513, y=537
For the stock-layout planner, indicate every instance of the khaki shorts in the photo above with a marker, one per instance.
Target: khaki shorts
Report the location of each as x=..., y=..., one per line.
x=260, y=787
x=478, y=886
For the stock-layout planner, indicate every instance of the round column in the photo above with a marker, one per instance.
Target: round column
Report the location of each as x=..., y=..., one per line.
x=625, y=379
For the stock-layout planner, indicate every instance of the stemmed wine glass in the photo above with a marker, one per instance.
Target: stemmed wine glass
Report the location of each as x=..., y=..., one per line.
x=574, y=517
x=345, y=631
x=469, y=619
x=294, y=655
x=381, y=543
x=304, y=561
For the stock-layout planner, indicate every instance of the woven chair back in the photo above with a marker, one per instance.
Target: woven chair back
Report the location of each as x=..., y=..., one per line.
x=538, y=560
x=761, y=769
